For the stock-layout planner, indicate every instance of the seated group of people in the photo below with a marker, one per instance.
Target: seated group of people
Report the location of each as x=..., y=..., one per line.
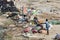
x=38, y=26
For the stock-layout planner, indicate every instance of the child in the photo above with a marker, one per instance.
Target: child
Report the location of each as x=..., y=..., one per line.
x=47, y=26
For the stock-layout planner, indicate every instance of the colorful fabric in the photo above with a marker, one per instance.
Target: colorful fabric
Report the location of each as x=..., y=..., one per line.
x=25, y=10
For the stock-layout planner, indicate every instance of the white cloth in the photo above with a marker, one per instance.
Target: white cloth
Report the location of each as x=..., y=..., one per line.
x=8, y=0
x=44, y=26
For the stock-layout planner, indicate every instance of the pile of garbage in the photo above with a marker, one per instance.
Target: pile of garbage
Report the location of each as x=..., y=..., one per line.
x=30, y=22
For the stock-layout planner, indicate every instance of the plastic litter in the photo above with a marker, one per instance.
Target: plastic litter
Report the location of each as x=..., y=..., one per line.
x=57, y=36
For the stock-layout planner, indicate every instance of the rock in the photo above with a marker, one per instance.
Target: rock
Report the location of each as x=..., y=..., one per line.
x=13, y=29
x=11, y=26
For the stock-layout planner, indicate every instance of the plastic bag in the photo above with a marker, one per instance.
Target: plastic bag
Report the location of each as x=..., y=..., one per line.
x=57, y=36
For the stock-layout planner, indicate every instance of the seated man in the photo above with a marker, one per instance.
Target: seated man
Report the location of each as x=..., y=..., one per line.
x=23, y=18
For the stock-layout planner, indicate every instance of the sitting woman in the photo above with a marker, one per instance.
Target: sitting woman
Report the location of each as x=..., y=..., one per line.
x=36, y=22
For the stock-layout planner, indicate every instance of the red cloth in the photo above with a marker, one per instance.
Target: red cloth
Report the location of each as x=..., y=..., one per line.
x=27, y=29
x=34, y=31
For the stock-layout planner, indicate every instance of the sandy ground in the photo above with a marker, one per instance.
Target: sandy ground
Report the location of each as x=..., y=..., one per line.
x=17, y=31
x=53, y=31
